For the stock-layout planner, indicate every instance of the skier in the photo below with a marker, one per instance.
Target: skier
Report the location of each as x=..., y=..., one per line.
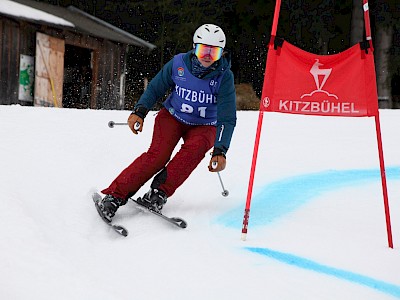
x=201, y=110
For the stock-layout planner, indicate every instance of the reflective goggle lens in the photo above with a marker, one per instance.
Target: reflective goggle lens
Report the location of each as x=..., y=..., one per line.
x=202, y=51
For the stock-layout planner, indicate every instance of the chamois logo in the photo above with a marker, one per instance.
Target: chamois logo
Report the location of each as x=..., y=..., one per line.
x=318, y=74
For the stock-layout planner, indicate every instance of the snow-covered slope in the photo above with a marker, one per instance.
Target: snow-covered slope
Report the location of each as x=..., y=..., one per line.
x=317, y=223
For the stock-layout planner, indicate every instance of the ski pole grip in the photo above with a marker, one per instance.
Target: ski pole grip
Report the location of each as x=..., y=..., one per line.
x=136, y=126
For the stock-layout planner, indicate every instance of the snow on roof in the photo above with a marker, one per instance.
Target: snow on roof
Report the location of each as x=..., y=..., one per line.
x=38, y=12
x=19, y=10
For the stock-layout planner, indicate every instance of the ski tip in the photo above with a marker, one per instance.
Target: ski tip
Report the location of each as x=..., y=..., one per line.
x=92, y=191
x=96, y=197
x=121, y=230
x=179, y=222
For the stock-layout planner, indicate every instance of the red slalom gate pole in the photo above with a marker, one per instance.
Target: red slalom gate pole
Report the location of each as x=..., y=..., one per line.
x=383, y=177
x=252, y=172
x=258, y=133
x=379, y=136
x=366, y=20
x=276, y=17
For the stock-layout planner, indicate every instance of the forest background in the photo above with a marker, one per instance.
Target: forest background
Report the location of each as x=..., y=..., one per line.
x=321, y=27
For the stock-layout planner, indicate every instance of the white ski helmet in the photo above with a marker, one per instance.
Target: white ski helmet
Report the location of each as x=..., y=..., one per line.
x=210, y=34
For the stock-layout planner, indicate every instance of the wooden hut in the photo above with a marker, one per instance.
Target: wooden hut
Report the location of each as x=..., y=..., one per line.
x=64, y=57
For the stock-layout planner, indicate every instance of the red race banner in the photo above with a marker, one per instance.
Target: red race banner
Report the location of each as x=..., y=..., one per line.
x=300, y=82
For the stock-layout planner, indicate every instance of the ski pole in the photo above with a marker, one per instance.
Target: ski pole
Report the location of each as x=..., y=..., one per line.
x=111, y=124
x=225, y=192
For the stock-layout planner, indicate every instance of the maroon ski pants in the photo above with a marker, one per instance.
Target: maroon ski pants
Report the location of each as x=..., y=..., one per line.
x=166, y=135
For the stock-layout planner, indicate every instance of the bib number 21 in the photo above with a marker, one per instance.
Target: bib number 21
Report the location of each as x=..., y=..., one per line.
x=186, y=108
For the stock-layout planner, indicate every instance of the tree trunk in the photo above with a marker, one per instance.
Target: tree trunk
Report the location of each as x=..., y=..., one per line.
x=383, y=43
x=357, y=23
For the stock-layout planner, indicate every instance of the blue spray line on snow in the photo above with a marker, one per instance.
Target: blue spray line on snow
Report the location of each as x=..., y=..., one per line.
x=384, y=287
x=284, y=196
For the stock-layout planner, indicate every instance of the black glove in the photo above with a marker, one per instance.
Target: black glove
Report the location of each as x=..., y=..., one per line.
x=136, y=119
x=140, y=111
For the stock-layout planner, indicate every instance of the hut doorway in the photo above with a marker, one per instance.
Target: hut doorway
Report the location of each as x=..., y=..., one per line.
x=78, y=74
x=49, y=64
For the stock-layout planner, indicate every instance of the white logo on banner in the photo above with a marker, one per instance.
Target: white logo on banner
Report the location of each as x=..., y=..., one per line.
x=316, y=72
x=266, y=102
x=326, y=106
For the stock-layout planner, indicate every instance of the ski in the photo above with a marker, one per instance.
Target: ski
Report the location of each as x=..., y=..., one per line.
x=173, y=220
x=117, y=228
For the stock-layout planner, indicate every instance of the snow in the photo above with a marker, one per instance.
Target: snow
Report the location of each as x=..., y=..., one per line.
x=317, y=224
x=19, y=10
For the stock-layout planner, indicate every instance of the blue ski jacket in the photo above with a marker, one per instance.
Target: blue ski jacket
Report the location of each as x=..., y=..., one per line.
x=225, y=96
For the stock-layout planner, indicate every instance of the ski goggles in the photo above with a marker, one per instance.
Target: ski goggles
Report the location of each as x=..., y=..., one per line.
x=202, y=51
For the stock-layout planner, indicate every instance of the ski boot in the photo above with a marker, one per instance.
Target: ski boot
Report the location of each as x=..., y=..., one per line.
x=153, y=200
x=109, y=205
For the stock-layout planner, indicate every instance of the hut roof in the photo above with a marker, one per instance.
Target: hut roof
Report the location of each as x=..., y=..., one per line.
x=71, y=18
